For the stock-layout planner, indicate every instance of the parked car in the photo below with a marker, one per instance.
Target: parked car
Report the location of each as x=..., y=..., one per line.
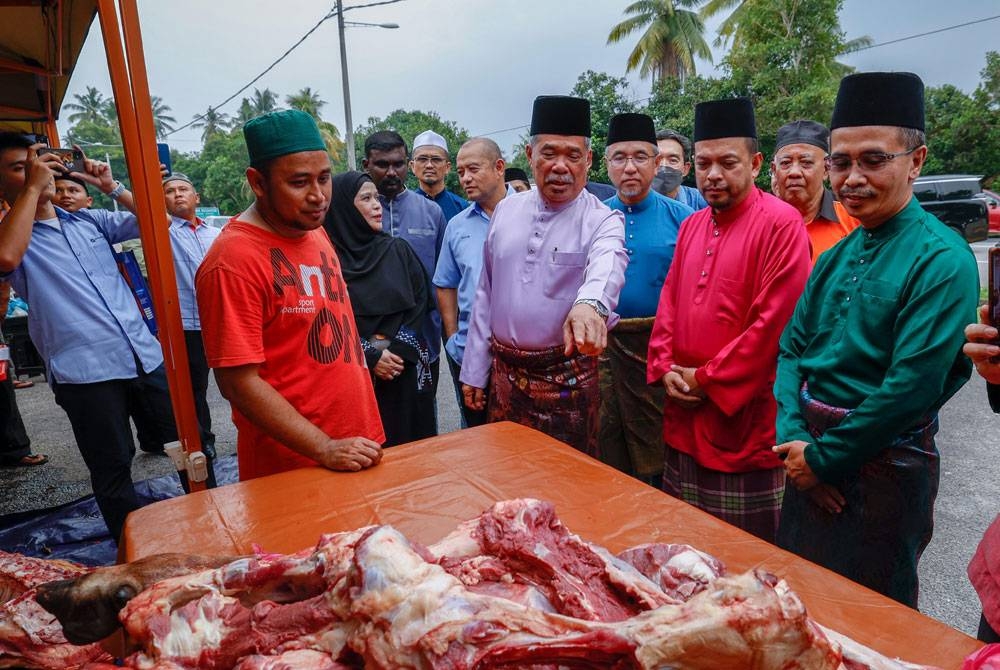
x=993, y=205
x=217, y=221
x=956, y=199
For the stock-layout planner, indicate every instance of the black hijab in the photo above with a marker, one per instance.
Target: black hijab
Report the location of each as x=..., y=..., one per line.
x=375, y=265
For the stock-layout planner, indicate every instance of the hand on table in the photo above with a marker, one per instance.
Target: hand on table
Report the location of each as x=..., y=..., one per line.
x=585, y=331
x=351, y=454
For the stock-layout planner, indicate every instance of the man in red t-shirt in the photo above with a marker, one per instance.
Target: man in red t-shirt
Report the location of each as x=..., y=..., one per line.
x=276, y=317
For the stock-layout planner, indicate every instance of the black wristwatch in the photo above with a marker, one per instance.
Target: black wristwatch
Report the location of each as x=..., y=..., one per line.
x=598, y=306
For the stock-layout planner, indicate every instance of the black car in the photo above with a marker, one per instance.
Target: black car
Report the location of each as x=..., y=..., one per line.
x=953, y=199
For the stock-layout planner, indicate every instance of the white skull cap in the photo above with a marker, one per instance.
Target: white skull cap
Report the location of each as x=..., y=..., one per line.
x=429, y=138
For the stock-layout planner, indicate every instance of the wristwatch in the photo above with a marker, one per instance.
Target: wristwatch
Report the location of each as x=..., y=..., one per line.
x=598, y=306
x=117, y=191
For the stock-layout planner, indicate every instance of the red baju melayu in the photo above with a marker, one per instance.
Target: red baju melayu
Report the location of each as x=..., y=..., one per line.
x=731, y=288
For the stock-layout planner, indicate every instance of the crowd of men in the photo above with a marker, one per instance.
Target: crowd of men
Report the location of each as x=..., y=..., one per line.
x=776, y=359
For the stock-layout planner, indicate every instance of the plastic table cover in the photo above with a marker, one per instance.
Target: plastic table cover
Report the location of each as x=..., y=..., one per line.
x=426, y=488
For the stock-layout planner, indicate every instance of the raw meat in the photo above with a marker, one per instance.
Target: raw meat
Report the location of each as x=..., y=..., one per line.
x=30, y=637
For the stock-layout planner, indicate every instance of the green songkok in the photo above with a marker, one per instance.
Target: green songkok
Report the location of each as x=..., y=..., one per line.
x=281, y=133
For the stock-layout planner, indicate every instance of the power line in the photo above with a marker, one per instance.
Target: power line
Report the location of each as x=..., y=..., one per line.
x=329, y=15
x=929, y=32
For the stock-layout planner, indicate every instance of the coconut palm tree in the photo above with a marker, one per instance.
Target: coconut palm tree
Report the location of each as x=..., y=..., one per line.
x=264, y=101
x=89, y=106
x=211, y=122
x=163, y=123
x=673, y=38
x=306, y=100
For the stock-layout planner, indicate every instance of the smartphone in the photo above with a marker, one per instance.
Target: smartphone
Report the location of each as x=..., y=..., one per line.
x=72, y=159
x=993, y=266
x=163, y=151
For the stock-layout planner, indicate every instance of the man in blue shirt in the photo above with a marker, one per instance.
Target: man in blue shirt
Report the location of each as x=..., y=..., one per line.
x=481, y=170
x=100, y=356
x=431, y=165
x=410, y=216
x=190, y=238
x=631, y=433
x=673, y=165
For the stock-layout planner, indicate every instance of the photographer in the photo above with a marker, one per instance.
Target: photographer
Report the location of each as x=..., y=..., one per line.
x=100, y=356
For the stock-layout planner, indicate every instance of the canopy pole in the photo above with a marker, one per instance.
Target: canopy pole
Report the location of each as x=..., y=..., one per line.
x=135, y=117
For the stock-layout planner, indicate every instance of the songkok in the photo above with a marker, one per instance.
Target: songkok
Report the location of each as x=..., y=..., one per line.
x=716, y=119
x=429, y=138
x=278, y=134
x=879, y=99
x=631, y=128
x=178, y=176
x=69, y=176
x=560, y=115
x=804, y=131
x=515, y=174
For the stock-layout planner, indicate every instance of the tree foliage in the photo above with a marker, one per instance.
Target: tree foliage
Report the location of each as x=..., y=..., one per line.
x=672, y=38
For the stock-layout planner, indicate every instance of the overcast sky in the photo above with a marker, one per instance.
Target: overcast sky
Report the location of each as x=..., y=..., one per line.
x=479, y=63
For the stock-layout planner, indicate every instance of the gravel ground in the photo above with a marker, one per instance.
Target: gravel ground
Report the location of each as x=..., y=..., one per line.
x=966, y=504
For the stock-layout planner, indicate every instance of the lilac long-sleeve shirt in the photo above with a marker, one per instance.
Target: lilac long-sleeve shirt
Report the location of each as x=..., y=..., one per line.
x=538, y=260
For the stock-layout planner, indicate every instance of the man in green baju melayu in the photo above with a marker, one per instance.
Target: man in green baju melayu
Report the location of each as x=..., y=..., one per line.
x=872, y=352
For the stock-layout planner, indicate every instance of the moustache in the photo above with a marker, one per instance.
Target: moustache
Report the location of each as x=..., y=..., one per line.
x=559, y=179
x=858, y=192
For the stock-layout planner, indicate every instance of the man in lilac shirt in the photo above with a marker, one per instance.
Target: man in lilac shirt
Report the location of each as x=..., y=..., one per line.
x=553, y=266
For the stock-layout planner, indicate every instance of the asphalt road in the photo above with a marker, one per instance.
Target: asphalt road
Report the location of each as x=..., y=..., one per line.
x=966, y=504
x=980, y=249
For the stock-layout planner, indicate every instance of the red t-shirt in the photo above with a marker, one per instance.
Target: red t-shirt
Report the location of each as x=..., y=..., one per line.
x=282, y=304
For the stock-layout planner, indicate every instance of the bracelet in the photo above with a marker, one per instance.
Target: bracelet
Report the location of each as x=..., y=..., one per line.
x=117, y=191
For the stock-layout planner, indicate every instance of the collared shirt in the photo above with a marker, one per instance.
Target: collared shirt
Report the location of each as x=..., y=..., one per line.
x=421, y=223
x=651, y=227
x=538, y=260
x=691, y=197
x=189, y=243
x=731, y=289
x=831, y=224
x=879, y=330
x=459, y=266
x=449, y=203
x=83, y=318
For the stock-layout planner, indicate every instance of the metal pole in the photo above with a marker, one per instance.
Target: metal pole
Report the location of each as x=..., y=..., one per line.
x=349, y=133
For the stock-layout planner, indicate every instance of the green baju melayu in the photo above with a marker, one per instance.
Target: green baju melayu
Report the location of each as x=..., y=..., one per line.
x=872, y=352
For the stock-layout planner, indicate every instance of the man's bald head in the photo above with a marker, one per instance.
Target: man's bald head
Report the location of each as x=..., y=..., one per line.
x=484, y=146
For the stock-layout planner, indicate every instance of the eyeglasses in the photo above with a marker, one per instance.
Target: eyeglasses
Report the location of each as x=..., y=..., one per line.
x=433, y=160
x=638, y=160
x=870, y=161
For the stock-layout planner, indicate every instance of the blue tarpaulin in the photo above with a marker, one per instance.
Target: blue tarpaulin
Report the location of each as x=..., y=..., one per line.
x=75, y=531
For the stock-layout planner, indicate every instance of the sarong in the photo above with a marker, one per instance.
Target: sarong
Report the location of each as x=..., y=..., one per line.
x=631, y=416
x=546, y=391
x=747, y=500
x=877, y=539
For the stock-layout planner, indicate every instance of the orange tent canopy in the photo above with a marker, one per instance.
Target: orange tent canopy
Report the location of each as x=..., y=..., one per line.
x=40, y=42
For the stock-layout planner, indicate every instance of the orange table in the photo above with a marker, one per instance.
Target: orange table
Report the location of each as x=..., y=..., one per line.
x=426, y=488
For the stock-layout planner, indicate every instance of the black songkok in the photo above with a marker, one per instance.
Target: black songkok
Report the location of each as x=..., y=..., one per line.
x=560, y=115
x=515, y=174
x=631, y=128
x=804, y=132
x=717, y=119
x=879, y=99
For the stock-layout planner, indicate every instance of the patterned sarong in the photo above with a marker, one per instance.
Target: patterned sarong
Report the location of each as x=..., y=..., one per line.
x=546, y=391
x=877, y=539
x=747, y=500
x=631, y=435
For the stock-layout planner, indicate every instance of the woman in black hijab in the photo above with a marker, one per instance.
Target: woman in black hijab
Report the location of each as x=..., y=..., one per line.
x=390, y=295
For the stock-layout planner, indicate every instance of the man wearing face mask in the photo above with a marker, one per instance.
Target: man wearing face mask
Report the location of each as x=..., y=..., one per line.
x=631, y=410
x=798, y=171
x=672, y=165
